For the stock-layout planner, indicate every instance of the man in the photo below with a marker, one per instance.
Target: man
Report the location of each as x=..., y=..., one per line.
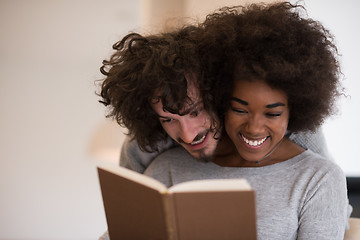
x=156, y=88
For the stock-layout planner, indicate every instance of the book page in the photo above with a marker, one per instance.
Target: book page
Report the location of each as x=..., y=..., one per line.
x=134, y=208
x=135, y=177
x=211, y=185
x=214, y=215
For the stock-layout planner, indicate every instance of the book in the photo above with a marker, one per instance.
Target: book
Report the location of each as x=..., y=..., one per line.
x=140, y=207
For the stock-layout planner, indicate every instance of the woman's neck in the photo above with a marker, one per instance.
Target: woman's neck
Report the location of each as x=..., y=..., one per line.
x=226, y=154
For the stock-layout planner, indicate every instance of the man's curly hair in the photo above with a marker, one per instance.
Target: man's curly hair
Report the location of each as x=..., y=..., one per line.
x=276, y=43
x=143, y=66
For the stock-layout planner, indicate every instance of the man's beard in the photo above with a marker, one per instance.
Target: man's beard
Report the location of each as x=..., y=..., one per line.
x=201, y=156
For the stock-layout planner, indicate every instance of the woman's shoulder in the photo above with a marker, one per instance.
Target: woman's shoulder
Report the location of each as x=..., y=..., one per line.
x=319, y=165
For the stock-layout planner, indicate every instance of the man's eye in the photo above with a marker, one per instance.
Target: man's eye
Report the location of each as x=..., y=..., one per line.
x=166, y=120
x=195, y=113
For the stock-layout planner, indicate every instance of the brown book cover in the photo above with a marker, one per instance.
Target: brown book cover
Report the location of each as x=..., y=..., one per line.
x=139, y=207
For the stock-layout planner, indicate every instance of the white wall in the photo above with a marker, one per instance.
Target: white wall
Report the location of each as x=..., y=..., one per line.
x=50, y=54
x=342, y=132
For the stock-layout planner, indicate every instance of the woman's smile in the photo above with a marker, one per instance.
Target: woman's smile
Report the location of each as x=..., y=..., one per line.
x=254, y=143
x=257, y=119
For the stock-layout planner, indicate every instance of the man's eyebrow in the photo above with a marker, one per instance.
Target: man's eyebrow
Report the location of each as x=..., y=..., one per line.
x=274, y=105
x=239, y=101
x=159, y=116
x=193, y=106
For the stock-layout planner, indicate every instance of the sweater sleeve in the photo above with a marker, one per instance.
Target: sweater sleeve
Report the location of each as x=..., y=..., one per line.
x=314, y=141
x=105, y=236
x=132, y=157
x=324, y=213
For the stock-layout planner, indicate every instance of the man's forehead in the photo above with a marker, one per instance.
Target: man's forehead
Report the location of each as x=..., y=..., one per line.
x=187, y=108
x=192, y=87
x=190, y=107
x=193, y=92
x=191, y=100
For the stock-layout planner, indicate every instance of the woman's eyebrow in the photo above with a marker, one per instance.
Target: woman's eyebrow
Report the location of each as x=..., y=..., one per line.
x=274, y=105
x=239, y=101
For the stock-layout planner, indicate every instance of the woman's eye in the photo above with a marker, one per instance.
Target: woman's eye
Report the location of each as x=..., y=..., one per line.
x=237, y=110
x=273, y=114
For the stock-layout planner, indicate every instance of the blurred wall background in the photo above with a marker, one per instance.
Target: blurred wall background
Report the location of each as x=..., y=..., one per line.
x=53, y=131
x=50, y=55
x=341, y=131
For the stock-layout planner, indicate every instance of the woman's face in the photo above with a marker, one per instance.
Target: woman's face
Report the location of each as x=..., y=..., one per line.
x=257, y=119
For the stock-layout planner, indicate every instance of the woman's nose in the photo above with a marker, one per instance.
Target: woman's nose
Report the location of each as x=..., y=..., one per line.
x=254, y=125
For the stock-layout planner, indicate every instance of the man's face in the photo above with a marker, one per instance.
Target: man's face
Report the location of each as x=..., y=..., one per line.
x=192, y=130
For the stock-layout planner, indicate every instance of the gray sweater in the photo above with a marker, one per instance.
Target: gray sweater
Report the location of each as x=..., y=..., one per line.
x=302, y=198
x=268, y=184
x=133, y=158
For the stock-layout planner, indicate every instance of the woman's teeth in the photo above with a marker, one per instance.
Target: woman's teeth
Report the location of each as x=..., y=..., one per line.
x=254, y=143
x=198, y=141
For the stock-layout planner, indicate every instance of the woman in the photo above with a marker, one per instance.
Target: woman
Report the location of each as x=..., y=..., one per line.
x=274, y=73
x=285, y=77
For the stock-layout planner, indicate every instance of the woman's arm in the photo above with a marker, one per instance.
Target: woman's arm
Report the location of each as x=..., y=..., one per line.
x=325, y=211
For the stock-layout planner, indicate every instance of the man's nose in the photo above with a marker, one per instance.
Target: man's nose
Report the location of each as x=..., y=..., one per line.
x=188, y=130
